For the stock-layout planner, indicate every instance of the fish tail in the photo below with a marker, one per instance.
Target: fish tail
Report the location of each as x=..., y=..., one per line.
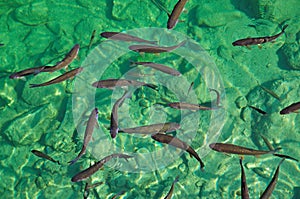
x=58, y=162
x=33, y=85
x=176, y=179
x=275, y=150
x=284, y=27
x=75, y=160
x=132, y=63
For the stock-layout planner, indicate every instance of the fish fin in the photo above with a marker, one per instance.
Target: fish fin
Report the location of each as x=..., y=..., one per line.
x=259, y=46
x=132, y=63
x=142, y=54
x=97, y=125
x=227, y=154
x=248, y=47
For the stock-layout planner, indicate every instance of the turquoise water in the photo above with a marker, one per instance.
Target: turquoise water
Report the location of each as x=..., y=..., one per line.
x=38, y=33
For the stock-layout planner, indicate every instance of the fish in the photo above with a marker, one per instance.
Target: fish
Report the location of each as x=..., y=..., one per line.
x=152, y=128
x=168, y=139
x=67, y=60
x=154, y=49
x=183, y=105
x=258, y=40
x=290, y=109
x=170, y=193
x=177, y=10
x=43, y=155
x=160, y=67
x=244, y=187
x=112, y=83
x=268, y=191
x=191, y=86
x=92, y=38
x=234, y=149
x=63, y=77
x=114, y=126
x=29, y=71
x=87, y=188
x=285, y=156
x=92, y=122
x=269, y=145
x=218, y=96
x=94, y=168
x=92, y=186
x=258, y=110
x=272, y=93
x=124, y=37
x=1, y=44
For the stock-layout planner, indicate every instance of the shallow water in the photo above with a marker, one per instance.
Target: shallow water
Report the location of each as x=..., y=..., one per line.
x=36, y=33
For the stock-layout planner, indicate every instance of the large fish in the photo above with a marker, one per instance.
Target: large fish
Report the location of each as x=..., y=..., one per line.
x=66, y=60
x=26, y=72
x=113, y=83
x=244, y=188
x=60, y=78
x=43, y=155
x=92, y=122
x=258, y=40
x=173, y=17
x=94, y=168
x=168, y=139
x=160, y=67
x=124, y=37
x=114, y=124
x=170, y=193
x=154, y=49
x=152, y=128
x=183, y=105
x=234, y=149
x=291, y=108
x=268, y=191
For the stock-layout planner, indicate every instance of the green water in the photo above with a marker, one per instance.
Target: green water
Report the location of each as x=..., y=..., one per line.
x=38, y=33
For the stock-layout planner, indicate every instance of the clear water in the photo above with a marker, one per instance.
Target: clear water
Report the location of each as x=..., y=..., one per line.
x=38, y=33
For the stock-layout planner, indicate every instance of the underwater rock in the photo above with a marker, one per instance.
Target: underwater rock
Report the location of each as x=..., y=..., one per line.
x=60, y=141
x=6, y=150
x=292, y=53
x=121, y=10
x=32, y=14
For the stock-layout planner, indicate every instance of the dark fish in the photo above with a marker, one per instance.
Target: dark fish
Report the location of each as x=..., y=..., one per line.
x=42, y=155
x=160, y=67
x=114, y=126
x=92, y=38
x=168, y=139
x=66, y=60
x=125, y=37
x=258, y=110
x=112, y=83
x=118, y=194
x=94, y=168
x=173, y=18
x=218, y=96
x=63, y=77
x=291, y=108
x=1, y=44
x=92, y=122
x=191, y=86
x=170, y=193
x=244, y=188
x=268, y=192
x=285, y=156
x=257, y=40
x=234, y=149
x=153, y=128
x=272, y=93
x=26, y=72
x=183, y=105
x=154, y=49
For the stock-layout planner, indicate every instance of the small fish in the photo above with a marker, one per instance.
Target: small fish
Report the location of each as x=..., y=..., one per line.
x=258, y=110
x=170, y=193
x=92, y=186
x=258, y=40
x=173, y=18
x=286, y=157
x=290, y=109
x=118, y=194
x=26, y=72
x=234, y=149
x=168, y=139
x=63, y=77
x=112, y=83
x=218, y=96
x=160, y=67
x=92, y=122
x=269, y=145
x=92, y=38
x=125, y=37
x=154, y=49
x=1, y=44
x=94, y=168
x=268, y=191
x=190, y=88
x=42, y=155
x=153, y=128
x=67, y=60
x=272, y=93
x=114, y=125
x=244, y=187
x=183, y=105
